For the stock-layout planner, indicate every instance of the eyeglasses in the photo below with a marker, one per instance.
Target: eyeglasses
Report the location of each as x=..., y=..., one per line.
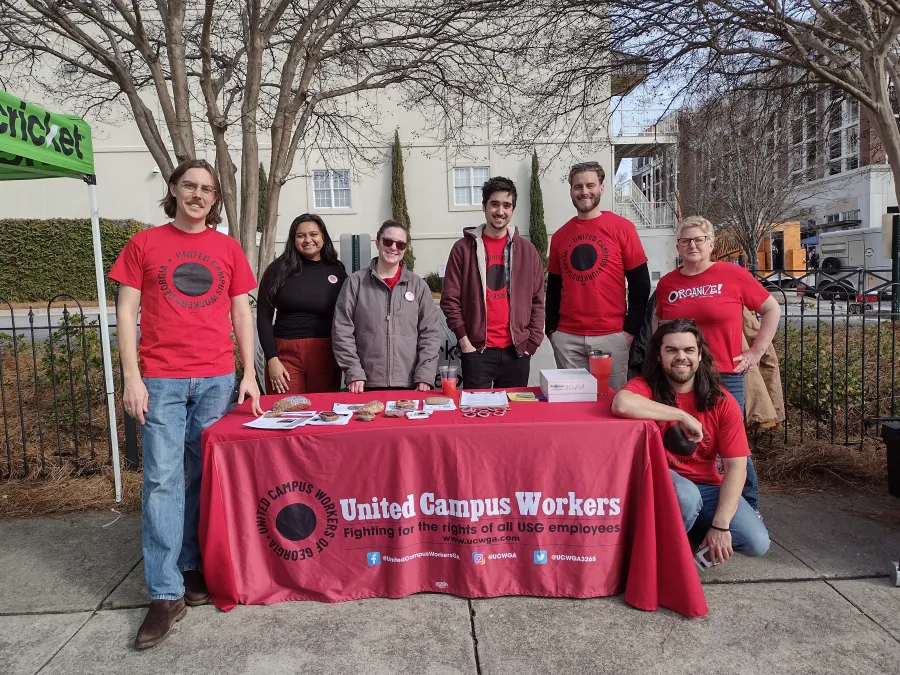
x=190, y=188
x=387, y=242
x=686, y=241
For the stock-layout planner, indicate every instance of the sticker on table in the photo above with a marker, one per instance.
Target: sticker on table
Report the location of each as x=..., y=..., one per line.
x=409, y=296
x=332, y=279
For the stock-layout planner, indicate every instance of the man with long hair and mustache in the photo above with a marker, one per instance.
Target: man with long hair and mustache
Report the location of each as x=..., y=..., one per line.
x=681, y=391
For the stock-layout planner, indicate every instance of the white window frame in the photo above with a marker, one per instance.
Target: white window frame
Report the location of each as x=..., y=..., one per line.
x=473, y=188
x=330, y=190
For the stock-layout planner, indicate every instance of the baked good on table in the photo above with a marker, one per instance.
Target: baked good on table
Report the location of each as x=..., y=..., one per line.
x=291, y=404
x=406, y=404
x=365, y=416
x=394, y=413
x=437, y=400
x=373, y=407
x=357, y=407
x=329, y=416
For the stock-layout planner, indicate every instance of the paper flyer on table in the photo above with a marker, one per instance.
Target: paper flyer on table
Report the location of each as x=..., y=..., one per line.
x=438, y=408
x=343, y=418
x=484, y=399
x=279, y=423
x=392, y=405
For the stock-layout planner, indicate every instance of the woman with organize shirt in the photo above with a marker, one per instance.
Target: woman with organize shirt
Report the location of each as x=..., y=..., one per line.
x=303, y=285
x=714, y=295
x=386, y=331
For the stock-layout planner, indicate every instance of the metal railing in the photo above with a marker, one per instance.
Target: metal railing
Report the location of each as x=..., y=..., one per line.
x=52, y=390
x=648, y=124
x=837, y=351
x=631, y=203
x=836, y=346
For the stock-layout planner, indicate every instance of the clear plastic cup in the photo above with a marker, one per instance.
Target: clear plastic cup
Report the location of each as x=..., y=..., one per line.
x=448, y=380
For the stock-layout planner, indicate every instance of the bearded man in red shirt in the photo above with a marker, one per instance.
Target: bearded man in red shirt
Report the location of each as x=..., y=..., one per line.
x=680, y=390
x=592, y=259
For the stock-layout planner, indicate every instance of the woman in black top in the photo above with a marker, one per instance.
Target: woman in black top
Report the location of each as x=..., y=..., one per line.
x=302, y=284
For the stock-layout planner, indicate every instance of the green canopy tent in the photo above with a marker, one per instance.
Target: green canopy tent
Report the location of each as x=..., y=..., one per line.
x=35, y=143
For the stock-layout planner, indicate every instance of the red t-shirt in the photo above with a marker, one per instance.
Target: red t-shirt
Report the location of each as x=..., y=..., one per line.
x=186, y=283
x=496, y=293
x=392, y=281
x=723, y=434
x=715, y=300
x=592, y=256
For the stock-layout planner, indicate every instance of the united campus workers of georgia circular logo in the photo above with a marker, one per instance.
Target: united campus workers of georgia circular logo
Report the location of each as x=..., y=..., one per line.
x=586, y=260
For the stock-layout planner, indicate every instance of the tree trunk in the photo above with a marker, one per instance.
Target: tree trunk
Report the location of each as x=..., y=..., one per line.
x=267, y=242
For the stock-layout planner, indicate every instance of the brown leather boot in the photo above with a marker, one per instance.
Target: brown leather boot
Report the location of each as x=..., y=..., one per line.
x=195, y=591
x=159, y=622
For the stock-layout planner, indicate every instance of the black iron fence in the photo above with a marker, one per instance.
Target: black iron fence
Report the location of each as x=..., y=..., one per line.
x=52, y=390
x=837, y=350
x=836, y=345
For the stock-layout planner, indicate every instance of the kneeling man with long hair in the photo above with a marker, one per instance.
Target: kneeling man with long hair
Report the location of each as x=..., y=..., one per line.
x=680, y=390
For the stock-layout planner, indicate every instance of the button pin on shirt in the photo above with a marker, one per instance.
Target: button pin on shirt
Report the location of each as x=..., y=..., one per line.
x=332, y=279
x=409, y=296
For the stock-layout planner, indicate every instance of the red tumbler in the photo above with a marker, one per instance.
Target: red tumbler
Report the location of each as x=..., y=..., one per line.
x=600, y=364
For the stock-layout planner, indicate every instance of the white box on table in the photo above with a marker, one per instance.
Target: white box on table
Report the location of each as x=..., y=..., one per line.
x=569, y=385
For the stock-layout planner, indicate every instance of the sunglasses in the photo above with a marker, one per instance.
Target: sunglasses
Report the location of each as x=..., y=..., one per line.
x=387, y=242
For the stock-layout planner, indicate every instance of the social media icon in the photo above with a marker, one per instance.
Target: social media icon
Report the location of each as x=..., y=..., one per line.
x=373, y=558
x=479, y=559
x=540, y=557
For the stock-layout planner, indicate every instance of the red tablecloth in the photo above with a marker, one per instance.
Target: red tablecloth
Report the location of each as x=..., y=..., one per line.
x=553, y=499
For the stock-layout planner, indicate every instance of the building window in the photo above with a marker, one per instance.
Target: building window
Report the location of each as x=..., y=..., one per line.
x=654, y=276
x=832, y=218
x=331, y=189
x=467, y=182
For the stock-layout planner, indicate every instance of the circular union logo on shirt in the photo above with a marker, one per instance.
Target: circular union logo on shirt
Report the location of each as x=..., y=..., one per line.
x=585, y=258
x=332, y=279
x=191, y=280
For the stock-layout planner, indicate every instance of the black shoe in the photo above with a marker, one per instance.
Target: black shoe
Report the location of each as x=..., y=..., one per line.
x=159, y=621
x=195, y=591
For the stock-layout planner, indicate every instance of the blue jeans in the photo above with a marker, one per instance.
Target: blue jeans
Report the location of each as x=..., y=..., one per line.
x=698, y=503
x=179, y=411
x=734, y=384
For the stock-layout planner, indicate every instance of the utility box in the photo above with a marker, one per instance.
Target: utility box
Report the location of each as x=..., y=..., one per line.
x=356, y=252
x=890, y=433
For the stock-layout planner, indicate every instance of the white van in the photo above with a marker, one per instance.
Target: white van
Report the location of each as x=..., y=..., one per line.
x=850, y=249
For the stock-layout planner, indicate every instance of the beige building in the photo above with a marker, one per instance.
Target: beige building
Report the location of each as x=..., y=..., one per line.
x=442, y=183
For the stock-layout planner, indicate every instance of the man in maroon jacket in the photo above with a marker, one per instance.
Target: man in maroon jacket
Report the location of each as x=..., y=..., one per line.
x=493, y=295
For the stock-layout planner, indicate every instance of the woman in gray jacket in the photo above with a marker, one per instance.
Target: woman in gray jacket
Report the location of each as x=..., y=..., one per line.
x=386, y=331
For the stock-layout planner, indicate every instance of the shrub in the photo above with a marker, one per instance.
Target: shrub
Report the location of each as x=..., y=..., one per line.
x=840, y=377
x=42, y=258
x=435, y=282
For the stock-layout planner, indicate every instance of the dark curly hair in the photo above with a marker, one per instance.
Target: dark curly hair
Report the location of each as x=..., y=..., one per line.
x=707, y=384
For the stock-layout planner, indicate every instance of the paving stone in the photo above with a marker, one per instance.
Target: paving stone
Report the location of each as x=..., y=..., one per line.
x=67, y=563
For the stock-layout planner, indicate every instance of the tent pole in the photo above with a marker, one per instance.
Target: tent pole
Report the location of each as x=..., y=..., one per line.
x=104, y=335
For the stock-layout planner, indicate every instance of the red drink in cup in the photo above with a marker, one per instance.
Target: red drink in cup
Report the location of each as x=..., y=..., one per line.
x=448, y=381
x=600, y=364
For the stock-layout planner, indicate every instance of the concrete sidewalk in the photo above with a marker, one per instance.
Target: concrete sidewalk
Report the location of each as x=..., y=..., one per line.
x=72, y=598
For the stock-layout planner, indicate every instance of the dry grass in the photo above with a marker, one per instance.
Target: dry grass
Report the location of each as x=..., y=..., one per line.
x=816, y=464
x=61, y=492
